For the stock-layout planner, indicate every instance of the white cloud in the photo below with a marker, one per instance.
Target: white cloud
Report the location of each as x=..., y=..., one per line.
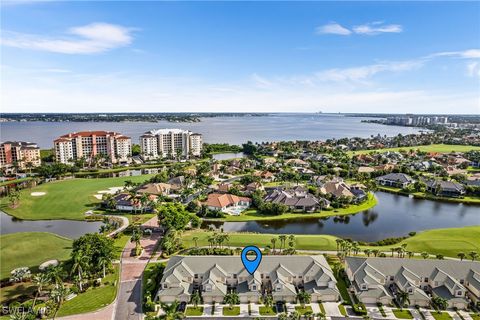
x=363, y=73
x=473, y=69
x=333, y=28
x=377, y=28
x=466, y=54
x=371, y=28
x=261, y=82
x=88, y=39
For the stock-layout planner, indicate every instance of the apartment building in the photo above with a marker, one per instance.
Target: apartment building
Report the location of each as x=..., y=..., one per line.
x=375, y=280
x=20, y=153
x=113, y=146
x=214, y=276
x=170, y=143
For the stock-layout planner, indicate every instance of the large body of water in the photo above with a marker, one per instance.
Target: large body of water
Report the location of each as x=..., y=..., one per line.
x=233, y=130
x=393, y=216
x=68, y=228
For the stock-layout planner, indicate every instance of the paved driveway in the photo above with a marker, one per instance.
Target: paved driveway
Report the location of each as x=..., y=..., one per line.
x=331, y=309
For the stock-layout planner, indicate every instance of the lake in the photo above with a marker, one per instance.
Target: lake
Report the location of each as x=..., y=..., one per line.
x=68, y=228
x=232, y=130
x=393, y=216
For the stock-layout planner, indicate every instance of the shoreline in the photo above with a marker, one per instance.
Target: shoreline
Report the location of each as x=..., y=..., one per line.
x=371, y=202
x=426, y=196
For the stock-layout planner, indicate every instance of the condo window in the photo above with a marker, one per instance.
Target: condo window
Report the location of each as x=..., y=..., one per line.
x=459, y=293
x=363, y=287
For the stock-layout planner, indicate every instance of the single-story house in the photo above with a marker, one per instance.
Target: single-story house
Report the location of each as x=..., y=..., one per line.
x=221, y=202
x=397, y=180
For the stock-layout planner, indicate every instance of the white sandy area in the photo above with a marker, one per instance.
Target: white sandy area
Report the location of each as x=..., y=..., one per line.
x=38, y=194
x=111, y=190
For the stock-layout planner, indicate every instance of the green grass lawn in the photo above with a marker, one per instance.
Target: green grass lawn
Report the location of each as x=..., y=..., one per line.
x=342, y=309
x=13, y=292
x=120, y=243
x=442, y=148
x=252, y=214
x=67, y=199
x=441, y=315
x=304, y=310
x=192, y=311
x=402, y=314
x=322, y=308
x=30, y=249
x=234, y=311
x=475, y=316
x=92, y=299
x=314, y=242
x=267, y=311
x=448, y=242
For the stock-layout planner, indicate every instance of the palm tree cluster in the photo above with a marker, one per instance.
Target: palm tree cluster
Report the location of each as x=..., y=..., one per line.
x=218, y=239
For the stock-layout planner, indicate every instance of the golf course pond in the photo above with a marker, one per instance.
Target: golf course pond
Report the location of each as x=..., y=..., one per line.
x=393, y=216
x=72, y=229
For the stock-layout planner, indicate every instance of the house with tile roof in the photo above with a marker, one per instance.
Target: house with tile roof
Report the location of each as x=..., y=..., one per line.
x=225, y=201
x=397, y=180
x=379, y=280
x=281, y=276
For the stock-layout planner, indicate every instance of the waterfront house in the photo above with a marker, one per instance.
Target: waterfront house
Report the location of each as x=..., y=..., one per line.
x=296, y=199
x=129, y=203
x=397, y=180
x=213, y=276
x=379, y=280
x=226, y=202
x=445, y=188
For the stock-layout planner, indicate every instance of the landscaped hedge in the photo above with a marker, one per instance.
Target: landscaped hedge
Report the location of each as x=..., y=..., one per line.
x=359, y=309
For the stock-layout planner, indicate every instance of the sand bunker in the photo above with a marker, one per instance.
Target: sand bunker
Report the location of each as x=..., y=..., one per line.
x=111, y=190
x=38, y=194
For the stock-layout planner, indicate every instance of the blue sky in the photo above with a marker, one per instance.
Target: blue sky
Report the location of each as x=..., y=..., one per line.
x=421, y=57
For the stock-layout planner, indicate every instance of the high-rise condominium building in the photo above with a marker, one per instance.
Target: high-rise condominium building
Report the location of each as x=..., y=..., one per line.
x=22, y=154
x=170, y=142
x=112, y=146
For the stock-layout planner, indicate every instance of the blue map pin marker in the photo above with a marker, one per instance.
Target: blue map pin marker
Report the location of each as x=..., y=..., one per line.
x=251, y=265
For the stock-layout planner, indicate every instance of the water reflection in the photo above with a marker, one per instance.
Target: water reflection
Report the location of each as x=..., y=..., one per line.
x=67, y=228
x=394, y=216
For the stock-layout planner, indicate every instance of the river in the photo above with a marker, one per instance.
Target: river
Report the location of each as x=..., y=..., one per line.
x=232, y=130
x=393, y=216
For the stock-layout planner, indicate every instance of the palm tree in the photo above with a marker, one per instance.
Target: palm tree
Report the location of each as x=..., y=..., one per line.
x=282, y=316
x=268, y=301
x=282, y=239
x=303, y=297
x=439, y=256
x=58, y=295
x=195, y=239
x=136, y=238
x=440, y=302
x=320, y=316
x=40, y=280
x=410, y=254
x=55, y=274
x=375, y=252
x=473, y=255
x=196, y=298
x=425, y=255
x=403, y=298
x=231, y=299
x=308, y=314
x=104, y=262
x=273, y=241
x=367, y=252
x=461, y=255
x=79, y=265
x=294, y=315
x=170, y=311
x=339, y=243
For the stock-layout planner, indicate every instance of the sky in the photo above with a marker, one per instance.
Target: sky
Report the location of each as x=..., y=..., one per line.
x=121, y=56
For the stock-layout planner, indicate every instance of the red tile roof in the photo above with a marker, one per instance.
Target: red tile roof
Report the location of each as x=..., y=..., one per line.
x=223, y=200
